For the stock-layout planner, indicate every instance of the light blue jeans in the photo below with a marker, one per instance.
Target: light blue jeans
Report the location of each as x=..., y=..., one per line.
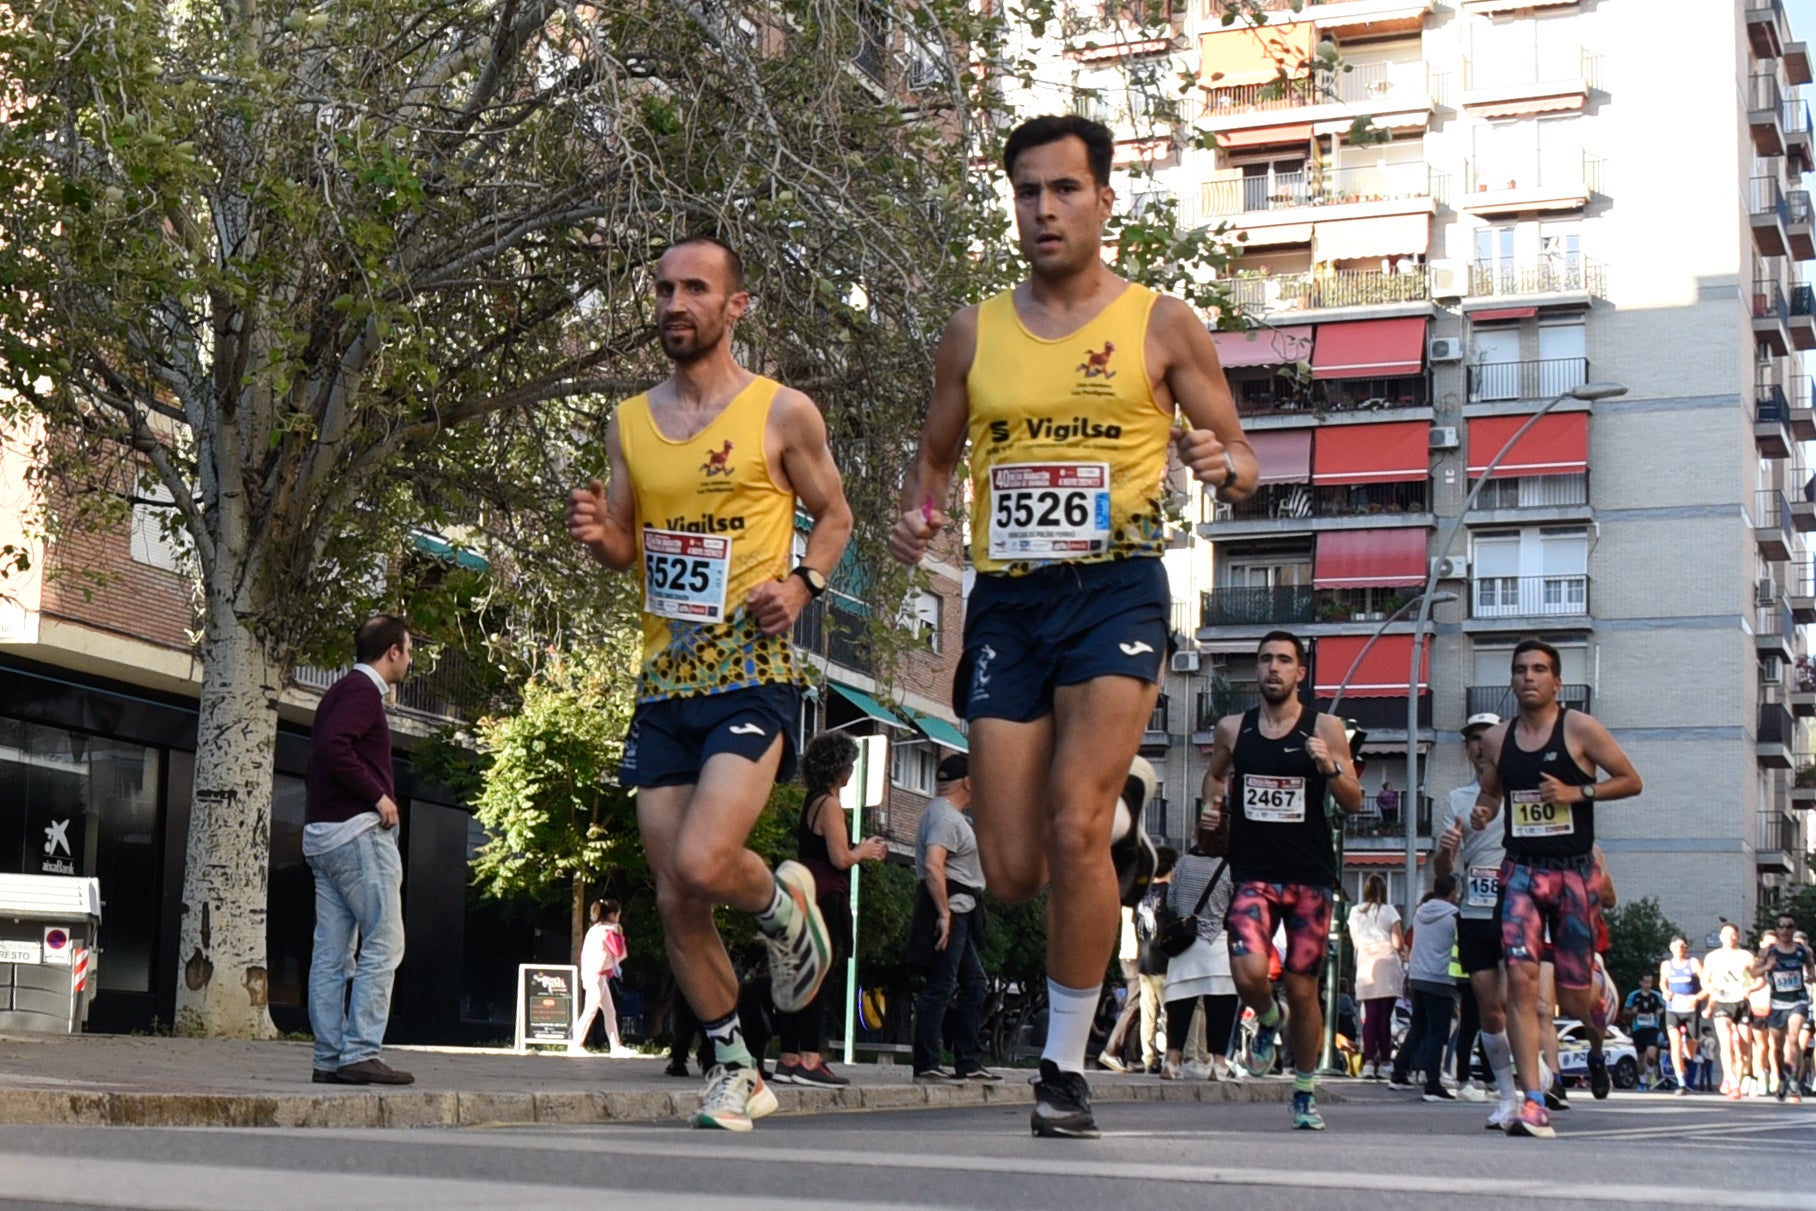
x=358, y=899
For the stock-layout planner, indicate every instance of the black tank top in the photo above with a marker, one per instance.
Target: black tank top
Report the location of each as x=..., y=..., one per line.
x=1278, y=829
x=1543, y=830
x=811, y=851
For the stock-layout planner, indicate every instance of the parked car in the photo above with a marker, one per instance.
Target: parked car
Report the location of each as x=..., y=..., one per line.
x=1573, y=1054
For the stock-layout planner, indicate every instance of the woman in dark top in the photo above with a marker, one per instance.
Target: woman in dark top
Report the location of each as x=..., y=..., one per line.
x=823, y=846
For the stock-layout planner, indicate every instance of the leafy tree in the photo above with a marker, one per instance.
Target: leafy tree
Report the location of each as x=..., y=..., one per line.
x=310, y=277
x=1798, y=902
x=1639, y=937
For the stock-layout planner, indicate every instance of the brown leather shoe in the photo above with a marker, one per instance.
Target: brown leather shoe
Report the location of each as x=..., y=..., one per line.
x=324, y=1076
x=372, y=1072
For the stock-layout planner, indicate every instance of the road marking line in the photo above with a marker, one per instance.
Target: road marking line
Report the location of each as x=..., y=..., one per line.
x=668, y=1144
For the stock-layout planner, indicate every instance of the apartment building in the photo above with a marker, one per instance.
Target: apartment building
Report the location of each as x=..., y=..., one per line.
x=1536, y=200
x=1532, y=212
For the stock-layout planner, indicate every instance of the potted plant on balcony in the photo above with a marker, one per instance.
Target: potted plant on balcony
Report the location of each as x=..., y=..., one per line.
x=1334, y=609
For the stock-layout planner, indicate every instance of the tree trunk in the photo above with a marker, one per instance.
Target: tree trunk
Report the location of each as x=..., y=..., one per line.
x=222, y=980
x=577, y=918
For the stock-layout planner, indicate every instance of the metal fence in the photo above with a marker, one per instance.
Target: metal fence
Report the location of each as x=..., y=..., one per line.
x=1528, y=596
x=1539, y=378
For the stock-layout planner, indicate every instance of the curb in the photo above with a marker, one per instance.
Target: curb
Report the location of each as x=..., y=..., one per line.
x=35, y=1107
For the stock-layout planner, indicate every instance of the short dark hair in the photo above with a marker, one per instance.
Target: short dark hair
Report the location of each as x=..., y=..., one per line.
x=378, y=635
x=1100, y=144
x=1165, y=859
x=1538, y=645
x=830, y=756
x=1283, y=637
x=733, y=261
x=1441, y=888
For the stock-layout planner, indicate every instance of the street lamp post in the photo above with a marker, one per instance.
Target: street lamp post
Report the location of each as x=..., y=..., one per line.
x=1333, y=968
x=1587, y=392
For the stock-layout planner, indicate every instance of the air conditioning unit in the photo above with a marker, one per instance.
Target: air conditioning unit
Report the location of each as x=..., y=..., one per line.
x=1448, y=280
x=1452, y=567
x=1444, y=349
x=1444, y=437
x=1185, y=662
x=1765, y=593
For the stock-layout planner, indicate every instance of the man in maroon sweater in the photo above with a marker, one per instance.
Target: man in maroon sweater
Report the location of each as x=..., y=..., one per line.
x=350, y=842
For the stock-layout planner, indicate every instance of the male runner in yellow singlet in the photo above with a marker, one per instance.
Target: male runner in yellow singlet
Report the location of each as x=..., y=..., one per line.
x=705, y=471
x=1067, y=388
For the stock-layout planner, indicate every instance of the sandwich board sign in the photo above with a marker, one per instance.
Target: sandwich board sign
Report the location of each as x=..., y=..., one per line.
x=547, y=1004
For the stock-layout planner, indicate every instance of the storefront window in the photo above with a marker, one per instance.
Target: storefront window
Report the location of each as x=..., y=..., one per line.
x=75, y=804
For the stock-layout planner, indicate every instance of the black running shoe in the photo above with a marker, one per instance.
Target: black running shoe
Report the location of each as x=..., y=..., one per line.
x=1599, y=1084
x=1134, y=855
x=1555, y=1098
x=1062, y=1105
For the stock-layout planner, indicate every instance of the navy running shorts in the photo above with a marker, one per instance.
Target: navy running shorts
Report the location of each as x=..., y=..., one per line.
x=670, y=741
x=1060, y=625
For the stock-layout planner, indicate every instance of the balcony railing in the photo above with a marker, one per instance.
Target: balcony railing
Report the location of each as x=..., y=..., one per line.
x=1397, y=82
x=1777, y=833
x=1797, y=207
x=1378, y=819
x=1538, y=379
x=1803, y=299
x=1500, y=700
x=1564, y=596
x=1287, y=292
x=1553, y=275
x=1275, y=395
x=1331, y=187
x=1255, y=607
x=1768, y=299
x=1771, y=511
x=1769, y=198
x=1764, y=95
x=840, y=636
x=1769, y=404
x=1157, y=721
x=1228, y=700
x=1540, y=65
x=1540, y=168
x=1276, y=502
x=454, y=688
x=1382, y=714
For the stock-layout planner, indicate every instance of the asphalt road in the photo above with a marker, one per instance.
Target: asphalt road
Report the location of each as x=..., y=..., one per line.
x=1381, y=1151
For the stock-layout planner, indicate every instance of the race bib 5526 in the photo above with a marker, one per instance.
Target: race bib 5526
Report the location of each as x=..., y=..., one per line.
x=1049, y=510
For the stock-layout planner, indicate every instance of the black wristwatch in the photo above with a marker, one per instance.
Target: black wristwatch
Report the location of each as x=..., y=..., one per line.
x=816, y=582
x=1589, y=793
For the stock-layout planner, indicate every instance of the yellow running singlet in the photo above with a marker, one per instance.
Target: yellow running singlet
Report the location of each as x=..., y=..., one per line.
x=1068, y=449
x=712, y=525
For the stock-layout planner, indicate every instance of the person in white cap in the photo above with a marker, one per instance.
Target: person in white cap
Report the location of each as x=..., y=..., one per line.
x=1475, y=856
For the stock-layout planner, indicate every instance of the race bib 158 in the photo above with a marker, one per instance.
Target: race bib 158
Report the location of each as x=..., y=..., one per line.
x=1484, y=886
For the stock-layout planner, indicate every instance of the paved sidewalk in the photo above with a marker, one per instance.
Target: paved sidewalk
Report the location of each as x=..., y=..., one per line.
x=129, y=1080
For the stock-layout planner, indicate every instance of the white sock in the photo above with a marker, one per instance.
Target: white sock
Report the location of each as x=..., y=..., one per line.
x=1121, y=822
x=1500, y=1062
x=1069, y=1015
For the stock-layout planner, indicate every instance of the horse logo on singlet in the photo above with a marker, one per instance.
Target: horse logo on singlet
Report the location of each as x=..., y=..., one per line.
x=718, y=462
x=1097, y=362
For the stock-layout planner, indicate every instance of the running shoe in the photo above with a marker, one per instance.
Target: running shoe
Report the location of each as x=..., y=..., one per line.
x=1504, y=1115
x=735, y=1098
x=1169, y=1071
x=1111, y=1062
x=1196, y=1070
x=814, y=1076
x=1401, y=1084
x=1062, y=1105
x=1437, y=1093
x=1470, y=1091
x=1555, y=1097
x=800, y=954
x=1599, y=1083
x=1305, y=1113
x=1783, y=1089
x=938, y=1076
x=1134, y=855
x=1226, y=1071
x=981, y=1075
x=1262, y=1047
x=1532, y=1120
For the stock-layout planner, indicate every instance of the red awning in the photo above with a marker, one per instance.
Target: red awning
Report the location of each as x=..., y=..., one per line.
x=1382, y=673
x=1395, y=453
x=1266, y=136
x=1370, y=349
x=1285, y=455
x=1367, y=559
x=1504, y=313
x=1354, y=858
x=1557, y=445
x=1264, y=346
